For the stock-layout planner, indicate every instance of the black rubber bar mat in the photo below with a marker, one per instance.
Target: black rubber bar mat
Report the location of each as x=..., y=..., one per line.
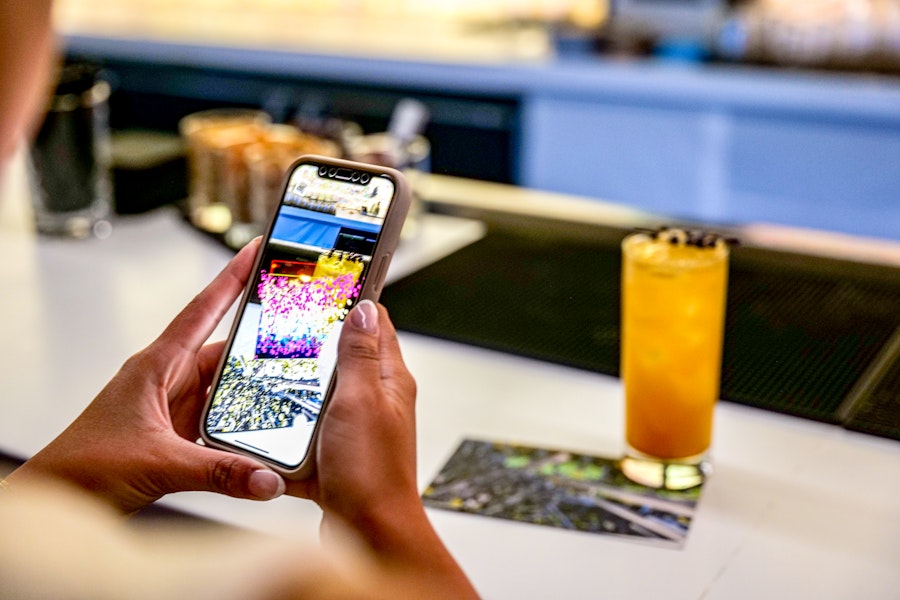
x=800, y=331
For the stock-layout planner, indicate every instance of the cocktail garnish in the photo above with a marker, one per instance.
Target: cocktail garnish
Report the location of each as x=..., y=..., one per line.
x=690, y=237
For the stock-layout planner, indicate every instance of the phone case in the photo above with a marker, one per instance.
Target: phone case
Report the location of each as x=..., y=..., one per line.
x=388, y=240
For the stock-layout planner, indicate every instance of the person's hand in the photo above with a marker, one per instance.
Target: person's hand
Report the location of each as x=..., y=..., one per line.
x=136, y=441
x=366, y=453
x=365, y=472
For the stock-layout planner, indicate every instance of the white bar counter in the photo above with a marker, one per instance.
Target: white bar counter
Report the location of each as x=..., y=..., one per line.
x=795, y=509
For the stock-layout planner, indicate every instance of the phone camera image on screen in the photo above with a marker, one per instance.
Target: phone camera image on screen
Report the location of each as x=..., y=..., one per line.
x=283, y=353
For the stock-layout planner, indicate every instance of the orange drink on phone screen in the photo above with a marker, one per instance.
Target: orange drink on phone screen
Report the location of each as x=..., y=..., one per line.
x=673, y=313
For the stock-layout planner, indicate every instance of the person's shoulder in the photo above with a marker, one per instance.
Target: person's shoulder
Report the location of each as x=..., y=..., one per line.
x=58, y=542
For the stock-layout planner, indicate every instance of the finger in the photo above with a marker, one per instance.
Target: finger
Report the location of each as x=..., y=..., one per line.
x=185, y=409
x=208, y=470
x=208, y=359
x=196, y=322
x=307, y=489
x=359, y=361
x=393, y=368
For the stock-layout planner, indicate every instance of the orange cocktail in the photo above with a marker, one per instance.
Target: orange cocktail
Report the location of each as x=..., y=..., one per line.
x=673, y=313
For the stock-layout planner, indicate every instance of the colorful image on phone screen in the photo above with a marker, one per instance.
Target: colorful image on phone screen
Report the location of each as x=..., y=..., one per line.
x=284, y=351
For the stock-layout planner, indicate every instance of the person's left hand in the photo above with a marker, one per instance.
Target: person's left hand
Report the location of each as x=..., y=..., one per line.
x=136, y=441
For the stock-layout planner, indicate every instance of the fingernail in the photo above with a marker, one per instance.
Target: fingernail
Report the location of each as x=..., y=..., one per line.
x=266, y=484
x=365, y=316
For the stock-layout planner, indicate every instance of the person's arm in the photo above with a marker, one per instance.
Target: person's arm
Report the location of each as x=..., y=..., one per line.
x=27, y=50
x=136, y=441
x=366, y=459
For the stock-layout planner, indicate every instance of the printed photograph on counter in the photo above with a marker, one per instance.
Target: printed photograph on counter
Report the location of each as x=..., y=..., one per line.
x=559, y=489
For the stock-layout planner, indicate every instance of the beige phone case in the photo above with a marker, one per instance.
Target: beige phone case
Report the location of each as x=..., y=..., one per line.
x=388, y=239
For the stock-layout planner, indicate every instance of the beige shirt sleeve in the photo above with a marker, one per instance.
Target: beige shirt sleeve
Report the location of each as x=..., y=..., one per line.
x=58, y=543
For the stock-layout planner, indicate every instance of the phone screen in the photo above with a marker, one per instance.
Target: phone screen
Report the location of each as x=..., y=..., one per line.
x=282, y=355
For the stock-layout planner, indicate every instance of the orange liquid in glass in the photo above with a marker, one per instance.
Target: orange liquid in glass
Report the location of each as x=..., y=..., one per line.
x=673, y=313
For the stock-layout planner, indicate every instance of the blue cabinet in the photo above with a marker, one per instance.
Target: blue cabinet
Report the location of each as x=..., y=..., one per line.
x=732, y=147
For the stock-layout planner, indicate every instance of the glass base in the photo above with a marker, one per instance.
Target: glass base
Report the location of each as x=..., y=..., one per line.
x=665, y=474
x=212, y=218
x=75, y=225
x=239, y=234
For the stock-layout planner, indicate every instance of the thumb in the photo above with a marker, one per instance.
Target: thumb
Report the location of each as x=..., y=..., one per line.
x=358, y=348
x=203, y=469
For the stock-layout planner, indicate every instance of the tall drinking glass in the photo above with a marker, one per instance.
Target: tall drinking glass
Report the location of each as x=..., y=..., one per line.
x=673, y=313
x=71, y=177
x=213, y=139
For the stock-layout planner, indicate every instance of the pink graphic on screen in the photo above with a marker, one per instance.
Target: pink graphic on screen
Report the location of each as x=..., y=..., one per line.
x=298, y=315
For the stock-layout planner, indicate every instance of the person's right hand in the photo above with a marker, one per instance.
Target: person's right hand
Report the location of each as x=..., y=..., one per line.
x=366, y=453
x=365, y=472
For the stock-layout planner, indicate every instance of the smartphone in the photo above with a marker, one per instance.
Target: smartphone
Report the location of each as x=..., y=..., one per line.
x=327, y=247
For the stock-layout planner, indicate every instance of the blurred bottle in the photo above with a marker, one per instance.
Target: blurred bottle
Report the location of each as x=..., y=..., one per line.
x=847, y=34
x=670, y=29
